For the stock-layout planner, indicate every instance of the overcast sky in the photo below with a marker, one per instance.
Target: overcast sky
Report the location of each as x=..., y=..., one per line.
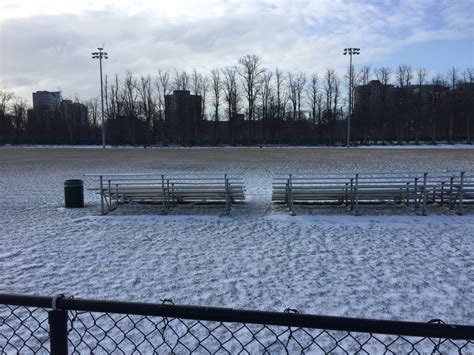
x=46, y=45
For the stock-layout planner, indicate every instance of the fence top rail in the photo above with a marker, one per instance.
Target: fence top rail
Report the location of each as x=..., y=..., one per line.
x=362, y=325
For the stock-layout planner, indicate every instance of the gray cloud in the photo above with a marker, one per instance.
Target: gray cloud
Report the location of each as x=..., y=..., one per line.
x=47, y=52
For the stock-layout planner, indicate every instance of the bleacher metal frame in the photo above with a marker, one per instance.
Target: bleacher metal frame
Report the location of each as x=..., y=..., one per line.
x=451, y=189
x=168, y=190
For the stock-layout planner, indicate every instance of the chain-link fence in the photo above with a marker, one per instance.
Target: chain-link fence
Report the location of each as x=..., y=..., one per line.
x=28, y=324
x=23, y=329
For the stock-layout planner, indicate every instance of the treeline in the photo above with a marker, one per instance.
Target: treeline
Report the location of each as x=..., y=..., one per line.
x=413, y=108
x=71, y=123
x=249, y=104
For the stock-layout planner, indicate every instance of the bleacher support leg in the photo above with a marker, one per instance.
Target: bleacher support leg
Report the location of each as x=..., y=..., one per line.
x=117, y=192
x=227, y=195
x=408, y=194
x=442, y=194
x=356, y=195
x=461, y=188
x=352, y=195
x=290, y=195
x=163, y=195
x=451, y=199
x=425, y=193
x=109, y=204
x=101, y=195
x=416, y=201
x=346, y=199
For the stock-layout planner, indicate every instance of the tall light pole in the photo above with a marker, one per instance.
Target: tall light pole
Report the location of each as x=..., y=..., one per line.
x=350, y=51
x=101, y=55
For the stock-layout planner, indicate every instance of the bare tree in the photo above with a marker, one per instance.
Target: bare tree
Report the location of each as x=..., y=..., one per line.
x=112, y=111
x=93, y=113
x=20, y=108
x=200, y=86
x=116, y=99
x=453, y=79
x=329, y=83
x=181, y=80
x=106, y=99
x=383, y=75
x=332, y=93
x=300, y=85
x=437, y=94
x=130, y=104
x=313, y=92
x=232, y=98
x=148, y=105
x=6, y=96
x=280, y=106
x=404, y=75
x=337, y=94
x=316, y=103
x=293, y=96
x=421, y=75
x=216, y=89
x=469, y=101
x=162, y=86
x=296, y=83
x=196, y=82
x=204, y=89
x=250, y=70
x=266, y=94
x=319, y=105
x=363, y=78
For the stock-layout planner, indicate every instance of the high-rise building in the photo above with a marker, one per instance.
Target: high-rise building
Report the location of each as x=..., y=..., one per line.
x=74, y=112
x=374, y=92
x=53, y=120
x=74, y=115
x=183, y=114
x=47, y=100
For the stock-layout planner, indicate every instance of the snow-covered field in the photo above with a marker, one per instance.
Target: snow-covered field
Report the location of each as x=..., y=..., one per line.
x=391, y=264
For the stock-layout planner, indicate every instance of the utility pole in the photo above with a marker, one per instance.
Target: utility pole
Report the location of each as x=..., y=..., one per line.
x=350, y=51
x=101, y=55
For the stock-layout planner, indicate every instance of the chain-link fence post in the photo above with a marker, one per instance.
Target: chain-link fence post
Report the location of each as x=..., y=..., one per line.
x=57, y=319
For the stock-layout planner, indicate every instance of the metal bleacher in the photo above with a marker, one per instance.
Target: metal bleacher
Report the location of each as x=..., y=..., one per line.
x=168, y=190
x=414, y=190
x=411, y=189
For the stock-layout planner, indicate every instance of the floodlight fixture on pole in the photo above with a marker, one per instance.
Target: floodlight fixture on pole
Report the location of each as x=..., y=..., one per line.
x=351, y=52
x=101, y=55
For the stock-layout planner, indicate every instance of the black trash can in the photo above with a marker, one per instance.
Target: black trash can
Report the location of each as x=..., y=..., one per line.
x=74, y=193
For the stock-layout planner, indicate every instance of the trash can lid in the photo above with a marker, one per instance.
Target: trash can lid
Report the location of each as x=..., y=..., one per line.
x=73, y=182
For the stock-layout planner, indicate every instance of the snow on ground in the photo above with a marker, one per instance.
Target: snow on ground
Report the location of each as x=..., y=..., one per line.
x=391, y=264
